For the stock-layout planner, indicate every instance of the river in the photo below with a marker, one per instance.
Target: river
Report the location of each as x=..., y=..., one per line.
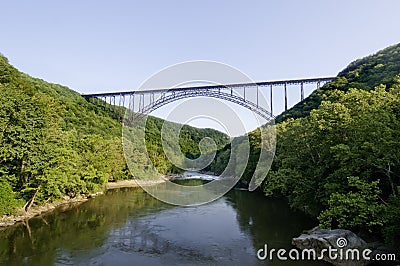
x=129, y=227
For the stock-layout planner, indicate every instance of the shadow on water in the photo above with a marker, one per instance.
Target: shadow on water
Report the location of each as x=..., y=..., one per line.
x=270, y=221
x=83, y=227
x=129, y=227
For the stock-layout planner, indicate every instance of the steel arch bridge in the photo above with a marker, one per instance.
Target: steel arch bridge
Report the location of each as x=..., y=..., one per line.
x=163, y=100
x=143, y=102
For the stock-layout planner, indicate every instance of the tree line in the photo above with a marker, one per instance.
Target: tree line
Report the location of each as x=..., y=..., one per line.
x=338, y=152
x=54, y=143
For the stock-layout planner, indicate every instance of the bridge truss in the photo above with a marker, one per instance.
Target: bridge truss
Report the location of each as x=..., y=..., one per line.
x=146, y=101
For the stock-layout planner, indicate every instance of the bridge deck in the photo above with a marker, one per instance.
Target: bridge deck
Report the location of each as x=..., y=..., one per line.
x=213, y=87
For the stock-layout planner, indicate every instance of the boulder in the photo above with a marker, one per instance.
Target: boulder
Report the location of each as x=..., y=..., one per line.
x=339, y=241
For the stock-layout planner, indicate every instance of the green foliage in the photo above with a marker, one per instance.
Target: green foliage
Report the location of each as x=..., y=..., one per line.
x=364, y=74
x=341, y=163
x=189, y=140
x=392, y=220
x=54, y=143
x=359, y=209
x=7, y=198
x=338, y=152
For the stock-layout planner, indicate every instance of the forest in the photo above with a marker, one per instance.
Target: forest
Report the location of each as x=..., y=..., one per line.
x=54, y=143
x=338, y=152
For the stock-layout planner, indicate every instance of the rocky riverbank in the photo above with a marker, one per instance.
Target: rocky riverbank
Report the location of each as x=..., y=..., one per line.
x=134, y=183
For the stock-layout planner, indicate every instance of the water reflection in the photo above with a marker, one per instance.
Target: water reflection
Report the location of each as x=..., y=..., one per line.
x=83, y=227
x=129, y=227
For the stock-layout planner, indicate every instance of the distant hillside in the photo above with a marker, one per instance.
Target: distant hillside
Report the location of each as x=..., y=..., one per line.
x=55, y=143
x=364, y=74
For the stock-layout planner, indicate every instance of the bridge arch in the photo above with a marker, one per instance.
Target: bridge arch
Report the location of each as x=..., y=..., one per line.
x=167, y=98
x=116, y=101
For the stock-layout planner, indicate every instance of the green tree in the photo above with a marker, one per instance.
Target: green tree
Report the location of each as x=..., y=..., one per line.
x=358, y=209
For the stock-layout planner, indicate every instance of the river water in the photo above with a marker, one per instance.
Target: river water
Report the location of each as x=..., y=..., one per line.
x=129, y=227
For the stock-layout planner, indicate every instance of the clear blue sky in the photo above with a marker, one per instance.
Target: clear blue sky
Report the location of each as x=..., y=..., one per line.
x=95, y=45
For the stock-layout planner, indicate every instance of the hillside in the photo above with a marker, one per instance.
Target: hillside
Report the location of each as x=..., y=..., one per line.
x=365, y=74
x=54, y=143
x=338, y=152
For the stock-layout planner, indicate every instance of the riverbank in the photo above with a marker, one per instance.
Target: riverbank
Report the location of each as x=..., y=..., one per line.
x=21, y=215
x=134, y=183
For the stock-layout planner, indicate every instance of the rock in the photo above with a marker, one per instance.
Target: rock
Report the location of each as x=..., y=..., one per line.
x=339, y=242
x=93, y=195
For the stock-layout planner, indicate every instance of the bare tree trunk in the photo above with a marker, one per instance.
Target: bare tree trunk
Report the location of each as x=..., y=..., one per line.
x=30, y=202
x=388, y=172
x=28, y=228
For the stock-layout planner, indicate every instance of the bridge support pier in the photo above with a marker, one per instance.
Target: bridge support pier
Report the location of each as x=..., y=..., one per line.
x=270, y=91
x=285, y=97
